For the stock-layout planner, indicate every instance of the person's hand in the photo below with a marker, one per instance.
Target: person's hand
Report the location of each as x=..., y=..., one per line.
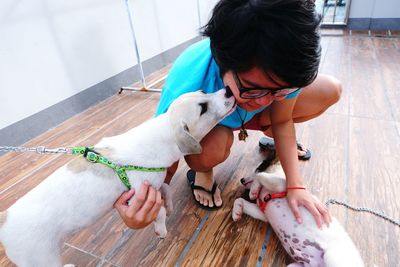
x=143, y=209
x=300, y=197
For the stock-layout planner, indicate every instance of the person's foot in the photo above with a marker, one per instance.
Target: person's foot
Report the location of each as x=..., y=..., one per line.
x=302, y=152
x=205, y=191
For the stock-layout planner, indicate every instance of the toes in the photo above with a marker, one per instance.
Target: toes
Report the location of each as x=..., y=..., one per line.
x=197, y=197
x=203, y=198
x=217, y=198
x=301, y=153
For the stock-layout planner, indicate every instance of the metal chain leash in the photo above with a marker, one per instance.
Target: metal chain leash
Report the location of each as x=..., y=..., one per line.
x=361, y=209
x=39, y=149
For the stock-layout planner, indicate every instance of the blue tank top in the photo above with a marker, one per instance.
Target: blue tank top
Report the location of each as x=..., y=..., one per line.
x=195, y=69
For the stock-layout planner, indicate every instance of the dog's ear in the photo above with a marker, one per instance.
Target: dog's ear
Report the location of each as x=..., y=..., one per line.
x=186, y=142
x=273, y=182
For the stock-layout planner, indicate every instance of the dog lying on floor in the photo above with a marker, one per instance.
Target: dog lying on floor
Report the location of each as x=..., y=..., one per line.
x=76, y=195
x=305, y=243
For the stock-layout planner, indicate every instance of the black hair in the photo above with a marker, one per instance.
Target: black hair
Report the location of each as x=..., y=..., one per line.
x=280, y=36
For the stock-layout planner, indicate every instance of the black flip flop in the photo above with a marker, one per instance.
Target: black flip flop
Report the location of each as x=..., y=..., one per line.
x=191, y=176
x=268, y=143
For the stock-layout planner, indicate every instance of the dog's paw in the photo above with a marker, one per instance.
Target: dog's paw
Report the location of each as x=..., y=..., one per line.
x=160, y=229
x=254, y=190
x=237, y=210
x=167, y=196
x=253, y=195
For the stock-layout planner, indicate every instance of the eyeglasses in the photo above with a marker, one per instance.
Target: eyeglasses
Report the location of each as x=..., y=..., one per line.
x=253, y=93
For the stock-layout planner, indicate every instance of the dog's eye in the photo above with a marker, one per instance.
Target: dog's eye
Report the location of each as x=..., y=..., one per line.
x=203, y=108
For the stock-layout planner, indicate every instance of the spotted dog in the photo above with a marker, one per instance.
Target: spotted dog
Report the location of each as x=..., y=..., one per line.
x=305, y=243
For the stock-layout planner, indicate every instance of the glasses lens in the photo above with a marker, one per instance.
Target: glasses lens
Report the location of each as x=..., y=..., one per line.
x=257, y=93
x=284, y=92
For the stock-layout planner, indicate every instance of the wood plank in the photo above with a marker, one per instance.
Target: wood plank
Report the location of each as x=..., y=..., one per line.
x=337, y=64
x=78, y=257
x=4, y=261
x=388, y=62
x=275, y=255
x=374, y=176
x=366, y=99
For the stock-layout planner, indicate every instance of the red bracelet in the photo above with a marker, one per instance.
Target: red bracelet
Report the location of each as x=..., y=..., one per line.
x=295, y=187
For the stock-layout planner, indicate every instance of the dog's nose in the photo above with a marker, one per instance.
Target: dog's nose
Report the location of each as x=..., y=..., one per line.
x=228, y=92
x=243, y=181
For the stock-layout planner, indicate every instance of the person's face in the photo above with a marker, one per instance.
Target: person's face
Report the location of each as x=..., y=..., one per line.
x=254, y=78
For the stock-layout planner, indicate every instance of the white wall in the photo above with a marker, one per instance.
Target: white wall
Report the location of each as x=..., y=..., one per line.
x=51, y=50
x=375, y=9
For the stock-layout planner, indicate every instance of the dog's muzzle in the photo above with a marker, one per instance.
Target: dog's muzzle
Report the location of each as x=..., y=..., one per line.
x=228, y=92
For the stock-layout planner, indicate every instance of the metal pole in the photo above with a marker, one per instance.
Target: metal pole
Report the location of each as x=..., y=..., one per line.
x=199, y=13
x=130, y=16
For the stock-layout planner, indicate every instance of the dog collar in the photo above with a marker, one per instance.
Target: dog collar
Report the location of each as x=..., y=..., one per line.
x=262, y=203
x=95, y=157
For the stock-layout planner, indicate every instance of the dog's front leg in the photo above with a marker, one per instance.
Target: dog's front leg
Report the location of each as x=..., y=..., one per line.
x=255, y=189
x=166, y=193
x=159, y=223
x=241, y=206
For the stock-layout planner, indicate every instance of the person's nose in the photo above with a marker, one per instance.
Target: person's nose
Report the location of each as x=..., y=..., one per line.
x=265, y=100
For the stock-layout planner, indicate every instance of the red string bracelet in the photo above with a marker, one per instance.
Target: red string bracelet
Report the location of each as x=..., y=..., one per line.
x=295, y=187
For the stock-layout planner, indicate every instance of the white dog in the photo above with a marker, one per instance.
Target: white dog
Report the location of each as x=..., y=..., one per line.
x=79, y=193
x=305, y=243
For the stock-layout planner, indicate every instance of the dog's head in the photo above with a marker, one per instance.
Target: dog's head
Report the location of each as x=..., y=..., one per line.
x=193, y=115
x=267, y=178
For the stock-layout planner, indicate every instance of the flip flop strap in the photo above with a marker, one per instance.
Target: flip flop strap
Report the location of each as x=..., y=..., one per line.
x=211, y=192
x=300, y=147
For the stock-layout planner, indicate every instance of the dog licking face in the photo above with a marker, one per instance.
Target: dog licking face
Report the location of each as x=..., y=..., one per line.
x=195, y=114
x=77, y=195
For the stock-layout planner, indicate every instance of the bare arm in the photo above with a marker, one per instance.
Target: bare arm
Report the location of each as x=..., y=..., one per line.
x=285, y=142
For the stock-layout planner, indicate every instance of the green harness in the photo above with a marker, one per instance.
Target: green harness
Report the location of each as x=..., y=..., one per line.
x=95, y=157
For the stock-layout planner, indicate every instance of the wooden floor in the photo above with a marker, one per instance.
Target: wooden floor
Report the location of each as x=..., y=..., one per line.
x=356, y=156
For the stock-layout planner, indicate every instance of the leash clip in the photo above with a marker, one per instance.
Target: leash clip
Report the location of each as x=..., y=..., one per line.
x=267, y=198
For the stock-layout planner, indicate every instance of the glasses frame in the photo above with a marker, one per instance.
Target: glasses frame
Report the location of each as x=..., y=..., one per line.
x=264, y=91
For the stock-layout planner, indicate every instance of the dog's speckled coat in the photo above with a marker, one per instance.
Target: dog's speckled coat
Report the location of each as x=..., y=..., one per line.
x=305, y=243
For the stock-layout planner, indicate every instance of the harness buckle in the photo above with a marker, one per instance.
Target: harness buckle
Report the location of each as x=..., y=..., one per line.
x=92, y=156
x=267, y=198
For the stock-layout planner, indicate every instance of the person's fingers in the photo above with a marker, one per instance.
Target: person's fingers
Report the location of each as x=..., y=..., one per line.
x=121, y=202
x=150, y=200
x=325, y=214
x=156, y=207
x=139, y=199
x=296, y=212
x=315, y=213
